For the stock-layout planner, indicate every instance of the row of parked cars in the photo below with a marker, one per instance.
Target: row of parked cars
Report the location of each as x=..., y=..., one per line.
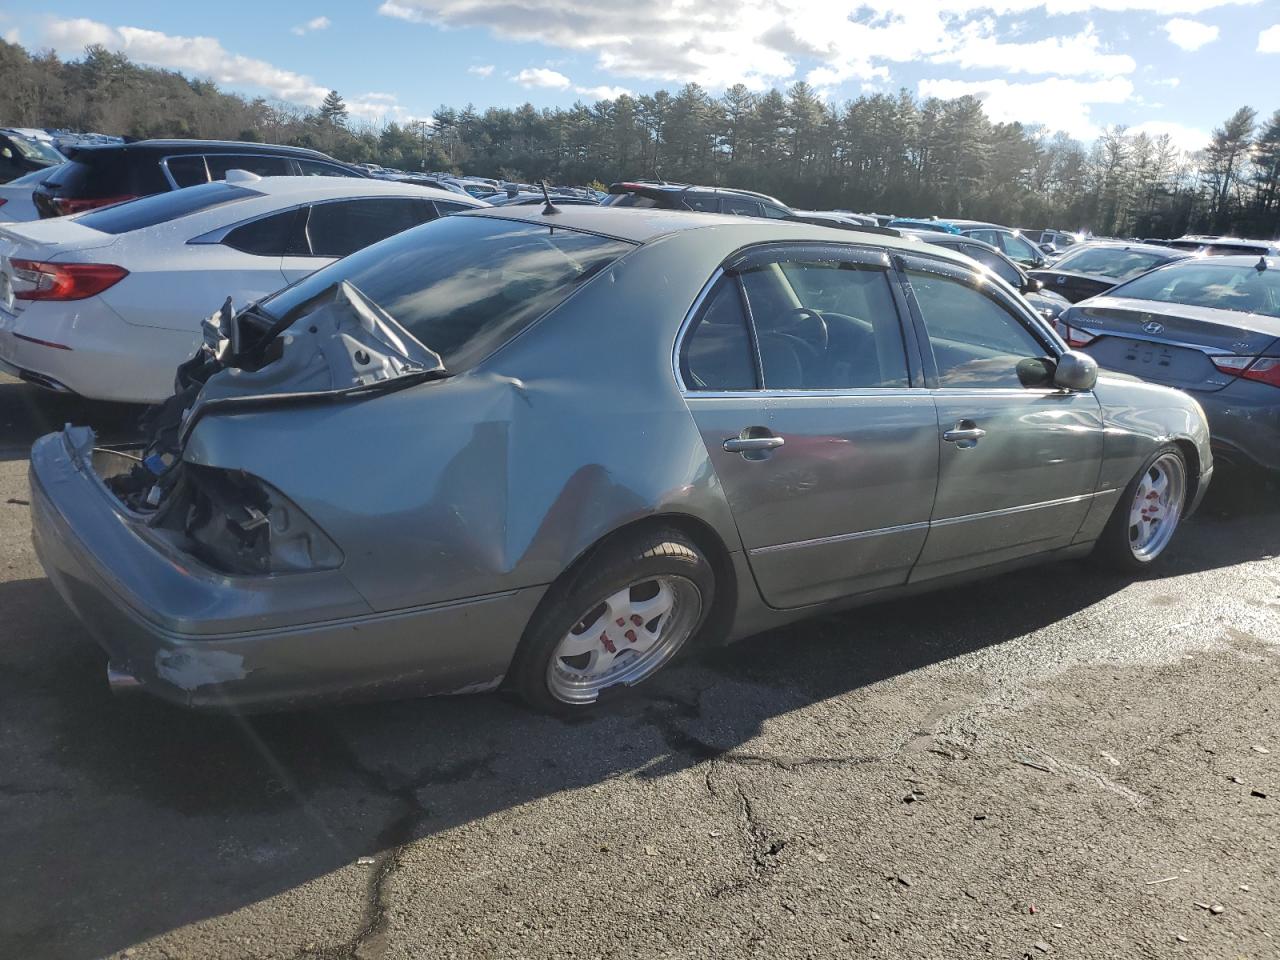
x=550, y=446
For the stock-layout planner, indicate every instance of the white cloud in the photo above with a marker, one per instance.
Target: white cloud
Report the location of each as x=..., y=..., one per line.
x=1168, y=82
x=1078, y=55
x=13, y=35
x=485, y=70
x=764, y=42
x=205, y=56
x=1269, y=40
x=315, y=23
x=1190, y=34
x=1059, y=104
x=531, y=77
x=603, y=92
x=1188, y=139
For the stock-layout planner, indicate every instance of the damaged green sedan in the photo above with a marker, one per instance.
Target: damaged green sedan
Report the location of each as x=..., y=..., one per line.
x=551, y=450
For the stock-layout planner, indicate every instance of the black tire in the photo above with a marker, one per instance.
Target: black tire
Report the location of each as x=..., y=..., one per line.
x=1113, y=548
x=610, y=568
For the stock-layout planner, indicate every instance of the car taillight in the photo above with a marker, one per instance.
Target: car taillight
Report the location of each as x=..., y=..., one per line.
x=65, y=206
x=1263, y=369
x=64, y=281
x=1074, y=336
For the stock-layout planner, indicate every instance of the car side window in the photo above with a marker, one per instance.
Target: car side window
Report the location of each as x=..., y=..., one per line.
x=446, y=207
x=275, y=236
x=717, y=353
x=707, y=203
x=1001, y=267
x=976, y=341
x=187, y=171
x=826, y=325
x=775, y=213
x=263, y=166
x=986, y=236
x=344, y=226
x=318, y=168
x=1017, y=249
x=741, y=207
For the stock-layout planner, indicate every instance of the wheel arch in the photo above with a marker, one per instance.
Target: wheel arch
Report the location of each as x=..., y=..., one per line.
x=715, y=629
x=1186, y=446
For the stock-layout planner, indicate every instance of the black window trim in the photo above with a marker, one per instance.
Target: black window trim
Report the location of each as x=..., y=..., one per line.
x=1033, y=322
x=772, y=252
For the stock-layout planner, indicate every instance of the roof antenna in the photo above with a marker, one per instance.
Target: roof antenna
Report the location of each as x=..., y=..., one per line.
x=550, y=209
x=1262, y=264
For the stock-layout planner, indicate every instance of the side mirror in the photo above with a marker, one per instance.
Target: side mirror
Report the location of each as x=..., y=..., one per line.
x=1076, y=371
x=1031, y=285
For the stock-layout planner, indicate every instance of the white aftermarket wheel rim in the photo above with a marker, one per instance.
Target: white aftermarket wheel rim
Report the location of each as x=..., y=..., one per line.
x=624, y=637
x=1157, y=507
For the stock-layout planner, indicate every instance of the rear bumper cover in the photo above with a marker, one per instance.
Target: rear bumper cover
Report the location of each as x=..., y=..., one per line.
x=201, y=639
x=1244, y=423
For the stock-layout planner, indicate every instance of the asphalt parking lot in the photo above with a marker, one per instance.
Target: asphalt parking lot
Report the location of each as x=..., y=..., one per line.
x=1055, y=763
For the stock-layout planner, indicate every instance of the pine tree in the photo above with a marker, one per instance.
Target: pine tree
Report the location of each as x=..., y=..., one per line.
x=334, y=109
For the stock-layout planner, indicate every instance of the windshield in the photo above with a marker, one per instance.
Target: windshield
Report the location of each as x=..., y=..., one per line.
x=1118, y=263
x=37, y=150
x=462, y=285
x=1208, y=284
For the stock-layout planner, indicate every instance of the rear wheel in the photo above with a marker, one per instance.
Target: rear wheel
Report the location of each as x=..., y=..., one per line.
x=626, y=613
x=1148, y=513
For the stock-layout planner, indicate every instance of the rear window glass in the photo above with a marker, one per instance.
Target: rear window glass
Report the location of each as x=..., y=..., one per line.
x=1114, y=262
x=36, y=149
x=162, y=207
x=628, y=200
x=1202, y=284
x=465, y=285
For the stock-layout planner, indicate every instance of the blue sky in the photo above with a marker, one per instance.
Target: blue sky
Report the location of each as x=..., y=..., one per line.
x=1176, y=66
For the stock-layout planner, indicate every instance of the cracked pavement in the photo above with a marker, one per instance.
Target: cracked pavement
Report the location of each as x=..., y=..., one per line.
x=1056, y=759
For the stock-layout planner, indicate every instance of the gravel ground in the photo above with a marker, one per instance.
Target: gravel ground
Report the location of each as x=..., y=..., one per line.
x=1054, y=763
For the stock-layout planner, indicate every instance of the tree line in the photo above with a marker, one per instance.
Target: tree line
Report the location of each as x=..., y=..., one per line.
x=891, y=153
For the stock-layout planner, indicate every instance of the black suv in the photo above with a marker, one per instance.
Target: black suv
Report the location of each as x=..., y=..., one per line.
x=684, y=196
x=98, y=175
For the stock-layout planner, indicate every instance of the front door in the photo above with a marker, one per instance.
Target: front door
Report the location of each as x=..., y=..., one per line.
x=1018, y=466
x=796, y=373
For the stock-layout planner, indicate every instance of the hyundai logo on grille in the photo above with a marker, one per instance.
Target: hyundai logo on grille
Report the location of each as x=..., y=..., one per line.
x=1153, y=327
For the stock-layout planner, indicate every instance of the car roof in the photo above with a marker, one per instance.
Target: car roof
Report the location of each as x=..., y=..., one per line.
x=308, y=187
x=974, y=223
x=646, y=224
x=1130, y=245
x=669, y=187
x=205, y=146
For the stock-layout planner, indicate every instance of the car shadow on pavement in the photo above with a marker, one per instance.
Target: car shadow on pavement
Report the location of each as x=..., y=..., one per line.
x=28, y=413
x=123, y=818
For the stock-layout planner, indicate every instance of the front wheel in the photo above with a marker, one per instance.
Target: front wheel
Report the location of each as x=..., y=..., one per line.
x=1148, y=513
x=617, y=621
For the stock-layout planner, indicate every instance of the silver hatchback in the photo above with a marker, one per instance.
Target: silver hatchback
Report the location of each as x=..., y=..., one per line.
x=551, y=450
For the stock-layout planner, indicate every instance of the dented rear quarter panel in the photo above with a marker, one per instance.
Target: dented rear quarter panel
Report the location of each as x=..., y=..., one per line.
x=499, y=478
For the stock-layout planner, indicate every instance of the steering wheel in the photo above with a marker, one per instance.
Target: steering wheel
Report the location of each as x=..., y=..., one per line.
x=806, y=325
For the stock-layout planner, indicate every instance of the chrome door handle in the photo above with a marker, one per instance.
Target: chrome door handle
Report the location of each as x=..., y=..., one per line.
x=750, y=444
x=964, y=434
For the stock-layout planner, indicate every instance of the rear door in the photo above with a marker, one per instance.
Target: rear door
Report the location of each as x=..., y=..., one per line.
x=1018, y=467
x=795, y=369
x=336, y=228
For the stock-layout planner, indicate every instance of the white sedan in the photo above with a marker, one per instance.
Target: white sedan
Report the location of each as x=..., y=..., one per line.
x=108, y=303
x=15, y=196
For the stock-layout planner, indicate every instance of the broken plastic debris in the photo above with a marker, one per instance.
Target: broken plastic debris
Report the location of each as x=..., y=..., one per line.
x=365, y=861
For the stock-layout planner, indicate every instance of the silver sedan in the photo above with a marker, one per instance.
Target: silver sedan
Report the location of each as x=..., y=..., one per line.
x=550, y=450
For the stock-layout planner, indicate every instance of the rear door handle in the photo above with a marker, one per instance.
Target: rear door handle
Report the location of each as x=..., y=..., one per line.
x=751, y=444
x=964, y=434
